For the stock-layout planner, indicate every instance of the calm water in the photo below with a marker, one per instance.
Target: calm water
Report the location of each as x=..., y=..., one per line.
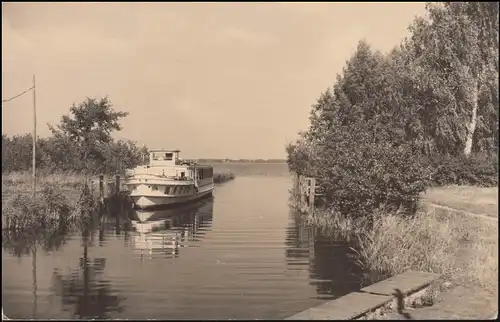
x=240, y=255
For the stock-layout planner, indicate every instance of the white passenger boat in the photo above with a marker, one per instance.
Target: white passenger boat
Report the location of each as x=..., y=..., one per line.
x=168, y=180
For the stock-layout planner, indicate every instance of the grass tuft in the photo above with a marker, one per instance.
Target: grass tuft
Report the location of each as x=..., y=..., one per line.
x=20, y=182
x=424, y=242
x=47, y=209
x=460, y=247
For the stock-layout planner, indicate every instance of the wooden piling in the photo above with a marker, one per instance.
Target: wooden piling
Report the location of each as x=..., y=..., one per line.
x=117, y=185
x=304, y=188
x=312, y=194
x=106, y=186
x=101, y=187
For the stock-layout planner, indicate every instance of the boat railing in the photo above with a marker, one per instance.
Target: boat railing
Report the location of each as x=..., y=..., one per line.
x=178, y=178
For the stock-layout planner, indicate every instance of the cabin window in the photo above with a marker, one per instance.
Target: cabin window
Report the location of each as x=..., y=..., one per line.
x=162, y=156
x=183, y=175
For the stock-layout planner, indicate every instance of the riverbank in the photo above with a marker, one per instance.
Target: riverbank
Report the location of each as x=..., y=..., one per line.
x=445, y=237
x=21, y=182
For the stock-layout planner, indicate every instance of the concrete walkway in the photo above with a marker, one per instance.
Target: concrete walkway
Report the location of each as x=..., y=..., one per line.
x=357, y=304
x=460, y=303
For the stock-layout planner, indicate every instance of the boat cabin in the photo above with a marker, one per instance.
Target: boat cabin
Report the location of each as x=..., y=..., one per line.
x=164, y=157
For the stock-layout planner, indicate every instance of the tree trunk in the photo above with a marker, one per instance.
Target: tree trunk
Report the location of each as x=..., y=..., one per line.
x=471, y=127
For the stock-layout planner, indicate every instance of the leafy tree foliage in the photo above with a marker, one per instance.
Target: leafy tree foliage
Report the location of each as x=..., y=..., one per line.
x=425, y=112
x=89, y=128
x=81, y=142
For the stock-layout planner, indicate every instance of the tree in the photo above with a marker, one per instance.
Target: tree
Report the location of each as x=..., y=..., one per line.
x=455, y=60
x=89, y=128
x=17, y=152
x=434, y=96
x=300, y=157
x=124, y=154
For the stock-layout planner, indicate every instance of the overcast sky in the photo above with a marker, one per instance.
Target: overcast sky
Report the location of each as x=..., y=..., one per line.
x=232, y=80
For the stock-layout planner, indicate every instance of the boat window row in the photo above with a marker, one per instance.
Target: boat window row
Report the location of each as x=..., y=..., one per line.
x=205, y=173
x=178, y=190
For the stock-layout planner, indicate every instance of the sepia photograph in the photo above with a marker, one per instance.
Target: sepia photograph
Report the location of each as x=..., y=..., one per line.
x=250, y=160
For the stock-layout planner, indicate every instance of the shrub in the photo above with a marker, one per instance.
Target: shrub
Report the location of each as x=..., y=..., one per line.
x=299, y=157
x=480, y=170
x=223, y=177
x=359, y=177
x=46, y=211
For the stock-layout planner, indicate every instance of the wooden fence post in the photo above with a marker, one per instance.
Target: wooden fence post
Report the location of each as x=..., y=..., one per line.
x=117, y=184
x=106, y=185
x=302, y=181
x=312, y=194
x=101, y=187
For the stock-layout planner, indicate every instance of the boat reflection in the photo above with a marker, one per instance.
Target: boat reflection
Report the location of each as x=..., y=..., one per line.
x=163, y=232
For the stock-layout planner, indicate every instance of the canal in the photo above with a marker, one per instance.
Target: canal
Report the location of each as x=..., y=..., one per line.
x=241, y=255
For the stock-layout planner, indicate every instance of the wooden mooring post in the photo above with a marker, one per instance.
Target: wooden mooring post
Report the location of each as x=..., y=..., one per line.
x=117, y=184
x=101, y=188
x=107, y=187
x=305, y=190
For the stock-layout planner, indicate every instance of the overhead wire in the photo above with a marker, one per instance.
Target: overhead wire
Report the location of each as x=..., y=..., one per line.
x=18, y=95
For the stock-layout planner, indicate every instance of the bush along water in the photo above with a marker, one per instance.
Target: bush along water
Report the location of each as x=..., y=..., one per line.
x=395, y=124
x=223, y=177
x=49, y=210
x=476, y=170
x=45, y=211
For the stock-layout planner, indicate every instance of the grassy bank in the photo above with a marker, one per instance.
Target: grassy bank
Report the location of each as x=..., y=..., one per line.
x=21, y=182
x=465, y=198
x=48, y=209
x=460, y=246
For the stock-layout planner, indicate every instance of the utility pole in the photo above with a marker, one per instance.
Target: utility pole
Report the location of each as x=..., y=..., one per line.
x=34, y=137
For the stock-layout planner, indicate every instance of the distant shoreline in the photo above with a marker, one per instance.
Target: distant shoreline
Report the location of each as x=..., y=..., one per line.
x=275, y=161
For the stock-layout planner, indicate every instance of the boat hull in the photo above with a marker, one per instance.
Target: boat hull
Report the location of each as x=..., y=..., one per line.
x=148, y=202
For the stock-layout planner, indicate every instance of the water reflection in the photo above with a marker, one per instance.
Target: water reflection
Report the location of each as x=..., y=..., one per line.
x=257, y=261
x=24, y=243
x=20, y=243
x=83, y=290
x=333, y=266
x=86, y=291
x=163, y=232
